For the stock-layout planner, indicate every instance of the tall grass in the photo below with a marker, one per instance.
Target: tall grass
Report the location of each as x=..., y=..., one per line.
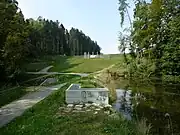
x=142, y=126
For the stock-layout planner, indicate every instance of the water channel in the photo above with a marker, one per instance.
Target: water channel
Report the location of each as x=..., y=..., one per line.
x=158, y=103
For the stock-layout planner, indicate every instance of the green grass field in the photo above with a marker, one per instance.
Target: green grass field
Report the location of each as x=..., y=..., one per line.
x=81, y=65
x=45, y=119
x=73, y=64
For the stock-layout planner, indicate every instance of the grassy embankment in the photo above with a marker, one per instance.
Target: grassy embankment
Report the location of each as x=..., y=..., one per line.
x=45, y=118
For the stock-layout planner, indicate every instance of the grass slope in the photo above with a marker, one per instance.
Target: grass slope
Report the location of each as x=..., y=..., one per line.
x=81, y=65
x=9, y=95
x=35, y=67
x=73, y=64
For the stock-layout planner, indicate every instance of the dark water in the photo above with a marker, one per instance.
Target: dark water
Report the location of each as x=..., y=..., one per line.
x=158, y=103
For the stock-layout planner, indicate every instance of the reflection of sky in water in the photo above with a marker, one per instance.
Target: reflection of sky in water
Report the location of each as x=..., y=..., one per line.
x=123, y=103
x=152, y=103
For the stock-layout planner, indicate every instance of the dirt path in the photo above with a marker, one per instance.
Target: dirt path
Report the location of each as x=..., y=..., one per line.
x=45, y=71
x=57, y=73
x=17, y=108
x=104, y=69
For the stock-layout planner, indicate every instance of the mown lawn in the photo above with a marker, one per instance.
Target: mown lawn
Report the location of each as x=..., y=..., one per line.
x=72, y=64
x=81, y=65
x=45, y=119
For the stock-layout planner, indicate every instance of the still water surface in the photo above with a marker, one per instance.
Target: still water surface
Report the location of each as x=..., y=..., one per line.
x=159, y=104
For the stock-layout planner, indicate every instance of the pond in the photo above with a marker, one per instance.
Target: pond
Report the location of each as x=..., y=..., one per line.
x=158, y=103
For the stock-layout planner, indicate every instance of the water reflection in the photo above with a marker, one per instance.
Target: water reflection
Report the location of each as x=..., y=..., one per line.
x=152, y=103
x=123, y=103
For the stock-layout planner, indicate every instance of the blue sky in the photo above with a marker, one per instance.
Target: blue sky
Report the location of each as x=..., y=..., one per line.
x=98, y=19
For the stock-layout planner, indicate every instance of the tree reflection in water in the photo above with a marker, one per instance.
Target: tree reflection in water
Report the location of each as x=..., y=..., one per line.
x=152, y=105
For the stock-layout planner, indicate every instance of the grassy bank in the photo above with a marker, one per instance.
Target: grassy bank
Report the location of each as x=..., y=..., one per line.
x=81, y=65
x=9, y=95
x=35, y=66
x=45, y=118
x=12, y=92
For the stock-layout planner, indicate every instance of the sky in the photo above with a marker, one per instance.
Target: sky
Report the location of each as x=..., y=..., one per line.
x=99, y=19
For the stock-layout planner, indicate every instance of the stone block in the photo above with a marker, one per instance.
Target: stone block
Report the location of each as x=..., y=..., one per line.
x=79, y=106
x=97, y=109
x=70, y=105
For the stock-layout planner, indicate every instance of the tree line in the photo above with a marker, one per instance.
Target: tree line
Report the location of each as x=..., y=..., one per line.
x=153, y=38
x=22, y=39
x=51, y=37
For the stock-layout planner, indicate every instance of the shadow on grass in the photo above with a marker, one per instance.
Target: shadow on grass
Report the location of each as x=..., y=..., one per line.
x=61, y=64
x=11, y=94
x=7, y=96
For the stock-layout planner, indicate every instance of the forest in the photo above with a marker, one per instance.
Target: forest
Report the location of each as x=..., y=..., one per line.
x=152, y=38
x=23, y=39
